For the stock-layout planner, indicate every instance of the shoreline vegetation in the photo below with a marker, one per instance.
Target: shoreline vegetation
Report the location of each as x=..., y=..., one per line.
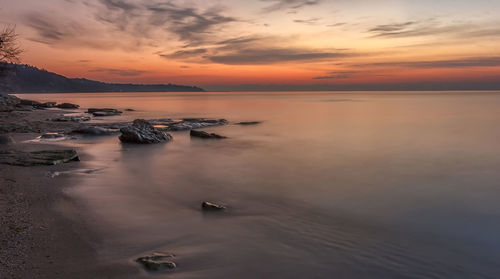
x=41, y=231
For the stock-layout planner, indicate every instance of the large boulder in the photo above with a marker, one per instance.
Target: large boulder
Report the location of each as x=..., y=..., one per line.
x=143, y=132
x=37, y=158
x=157, y=262
x=205, y=135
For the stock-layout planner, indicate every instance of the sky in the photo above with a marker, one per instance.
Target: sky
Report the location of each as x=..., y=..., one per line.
x=264, y=44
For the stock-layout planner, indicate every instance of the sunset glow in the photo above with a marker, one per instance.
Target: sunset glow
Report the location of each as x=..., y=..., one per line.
x=231, y=45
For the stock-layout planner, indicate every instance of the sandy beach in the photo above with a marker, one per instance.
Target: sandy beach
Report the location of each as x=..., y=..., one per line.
x=41, y=232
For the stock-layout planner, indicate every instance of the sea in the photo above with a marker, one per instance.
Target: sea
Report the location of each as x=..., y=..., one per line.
x=328, y=185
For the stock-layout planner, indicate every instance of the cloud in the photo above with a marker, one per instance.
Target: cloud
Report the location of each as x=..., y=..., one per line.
x=274, y=55
x=184, y=53
x=337, y=75
x=288, y=4
x=49, y=29
x=190, y=25
x=309, y=21
x=493, y=61
x=119, y=72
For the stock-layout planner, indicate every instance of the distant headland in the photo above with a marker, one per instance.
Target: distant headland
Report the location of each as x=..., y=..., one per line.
x=30, y=79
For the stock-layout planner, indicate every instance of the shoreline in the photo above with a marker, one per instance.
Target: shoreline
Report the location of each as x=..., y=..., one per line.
x=42, y=231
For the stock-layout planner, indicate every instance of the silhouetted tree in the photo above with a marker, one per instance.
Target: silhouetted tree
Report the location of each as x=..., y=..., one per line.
x=9, y=49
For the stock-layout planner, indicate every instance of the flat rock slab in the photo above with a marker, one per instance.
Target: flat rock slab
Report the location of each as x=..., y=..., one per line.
x=188, y=123
x=103, y=111
x=157, y=261
x=38, y=158
x=67, y=106
x=210, y=206
x=70, y=119
x=205, y=135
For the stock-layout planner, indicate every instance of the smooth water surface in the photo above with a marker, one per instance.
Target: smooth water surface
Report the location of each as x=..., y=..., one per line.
x=330, y=185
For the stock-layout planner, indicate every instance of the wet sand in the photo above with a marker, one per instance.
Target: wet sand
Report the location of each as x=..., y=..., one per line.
x=42, y=234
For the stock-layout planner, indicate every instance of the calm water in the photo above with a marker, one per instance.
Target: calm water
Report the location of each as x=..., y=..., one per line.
x=330, y=185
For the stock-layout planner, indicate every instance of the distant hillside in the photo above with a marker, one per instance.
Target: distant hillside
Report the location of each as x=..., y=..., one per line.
x=29, y=79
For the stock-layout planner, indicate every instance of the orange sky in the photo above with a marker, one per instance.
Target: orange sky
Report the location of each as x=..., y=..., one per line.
x=224, y=44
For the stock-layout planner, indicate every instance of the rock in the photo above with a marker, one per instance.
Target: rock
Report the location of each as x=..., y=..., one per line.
x=67, y=106
x=29, y=103
x=5, y=139
x=208, y=206
x=47, y=105
x=129, y=109
x=248, y=123
x=37, y=158
x=95, y=131
x=194, y=123
x=141, y=131
x=157, y=262
x=70, y=119
x=205, y=135
x=103, y=111
x=52, y=136
x=8, y=102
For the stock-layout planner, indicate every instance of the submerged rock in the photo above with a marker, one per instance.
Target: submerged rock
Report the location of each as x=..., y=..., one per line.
x=143, y=132
x=157, y=262
x=36, y=158
x=103, y=111
x=205, y=135
x=129, y=109
x=209, y=206
x=249, y=123
x=67, y=106
x=5, y=139
x=95, y=131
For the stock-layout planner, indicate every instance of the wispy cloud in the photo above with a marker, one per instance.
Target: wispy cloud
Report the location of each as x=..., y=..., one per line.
x=277, y=5
x=119, y=72
x=337, y=75
x=274, y=55
x=182, y=54
x=309, y=21
x=492, y=61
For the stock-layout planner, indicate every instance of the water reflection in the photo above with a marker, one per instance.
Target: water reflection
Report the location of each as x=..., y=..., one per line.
x=384, y=186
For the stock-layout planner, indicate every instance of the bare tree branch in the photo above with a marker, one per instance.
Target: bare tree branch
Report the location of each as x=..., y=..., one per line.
x=9, y=49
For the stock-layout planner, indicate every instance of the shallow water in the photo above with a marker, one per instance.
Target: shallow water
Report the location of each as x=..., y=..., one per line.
x=330, y=185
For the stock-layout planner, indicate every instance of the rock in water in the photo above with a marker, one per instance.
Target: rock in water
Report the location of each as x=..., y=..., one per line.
x=67, y=106
x=248, y=123
x=70, y=119
x=205, y=135
x=5, y=139
x=37, y=158
x=95, y=131
x=52, y=135
x=143, y=132
x=157, y=261
x=103, y=111
x=209, y=206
